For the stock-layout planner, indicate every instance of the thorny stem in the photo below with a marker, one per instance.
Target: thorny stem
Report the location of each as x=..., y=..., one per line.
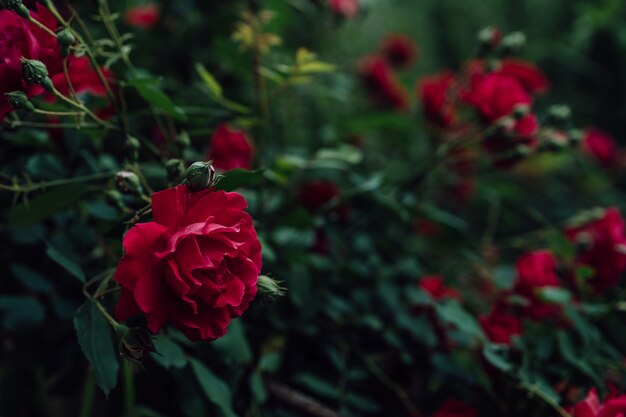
x=56, y=183
x=81, y=107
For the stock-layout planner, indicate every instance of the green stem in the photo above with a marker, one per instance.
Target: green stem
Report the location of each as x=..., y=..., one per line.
x=56, y=183
x=81, y=107
x=88, y=396
x=129, y=390
x=37, y=125
x=534, y=389
x=58, y=113
x=42, y=26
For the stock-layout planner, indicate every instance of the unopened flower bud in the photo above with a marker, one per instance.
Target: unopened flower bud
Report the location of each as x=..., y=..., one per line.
x=128, y=182
x=132, y=146
x=269, y=289
x=175, y=169
x=489, y=38
x=513, y=43
x=554, y=140
x=520, y=111
x=135, y=343
x=65, y=39
x=183, y=140
x=200, y=175
x=15, y=6
x=575, y=136
x=19, y=101
x=35, y=72
x=559, y=116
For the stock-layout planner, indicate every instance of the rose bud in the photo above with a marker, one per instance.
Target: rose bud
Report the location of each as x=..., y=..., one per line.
x=132, y=146
x=18, y=100
x=559, y=116
x=35, y=72
x=135, y=343
x=513, y=43
x=128, y=182
x=175, y=169
x=15, y=6
x=65, y=39
x=200, y=175
x=489, y=38
x=269, y=289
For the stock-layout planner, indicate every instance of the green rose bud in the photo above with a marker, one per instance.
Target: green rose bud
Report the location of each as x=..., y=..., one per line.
x=132, y=146
x=65, y=39
x=15, y=6
x=128, y=182
x=175, y=169
x=200, y=175
x=35, y=72
x=18, y=100
x=513, y=43
x=135, y=343
x=269, y=289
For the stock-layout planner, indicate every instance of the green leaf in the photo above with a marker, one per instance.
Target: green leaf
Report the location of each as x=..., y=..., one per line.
x=554, y=295
x=46, y=204
x=214, y=388
x=234, y=345
x=257, y=387
x=236, y=178
x=149, y=89
x=69, y=265
x=31, y=279
x=96, y=341
x=169, y=353
x=495, y=355
x=19, y=311
x=215, y=89
x=452, y=312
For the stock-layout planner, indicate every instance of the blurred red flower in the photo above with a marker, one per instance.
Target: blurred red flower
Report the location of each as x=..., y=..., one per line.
x=230, y=148
x=603, y=245
x=614, y=406
x=382, y=84
x=399, y=50
x=500, y=326
x=314, y=195
x=601, y=147
x=344, y=8
x=437, y=106
x=434, y=285
x=143, y=16
x=455, y=408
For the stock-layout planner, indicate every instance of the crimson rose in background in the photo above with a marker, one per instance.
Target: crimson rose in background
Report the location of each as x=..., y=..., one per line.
x=435, y=286
x=195, y=266
x=316, y=194
x=455, y=408
x=603, y=248
x=144, y=16
x=535, y=271
x=344, y=8
x=437, y=105
x=399, y=50
x=500, y=326
x=613, y=406
x=23, y=39
x=601, y=146
x=381, y=83
x=230, y=148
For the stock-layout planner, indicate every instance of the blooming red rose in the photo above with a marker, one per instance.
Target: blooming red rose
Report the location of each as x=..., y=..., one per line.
x=231, y=148
x=23, y=39
x=314, y=195
x=537, y=270
x=382, y=84
x=83, y=77
x=196, y=265
x=533, y=80
x=344, y=8
x=603, y=244
x=455, y=408
x=434, y=286
x=437, y=107
x=601, y=146
x=496, y=95
x=500, y=326
x=399, y=50
x=143, y=16
x=591, y=407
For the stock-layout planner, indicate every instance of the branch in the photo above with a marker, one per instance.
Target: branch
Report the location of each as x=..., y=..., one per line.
x=298, y=400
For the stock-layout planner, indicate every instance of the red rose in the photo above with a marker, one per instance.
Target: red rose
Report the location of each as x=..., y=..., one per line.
x=500, y=326
x=604, y=248
x=230, y=148
x=344, y=8
x=314, y=195
x=23, y=39
x=399, y=50
x=382, y=84
x=536, y=270
x=143, y=16
x=591, y=407
x=496, y=95
x=195, y=266
x=455, y=408
x=437, y=107
x=527, y=74
x=601, y=146
x=434, y=286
